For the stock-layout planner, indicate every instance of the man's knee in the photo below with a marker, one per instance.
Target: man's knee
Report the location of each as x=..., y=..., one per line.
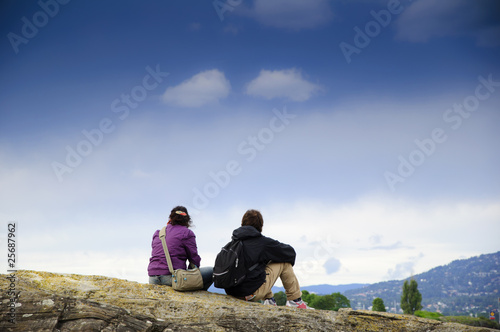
x=288, y=267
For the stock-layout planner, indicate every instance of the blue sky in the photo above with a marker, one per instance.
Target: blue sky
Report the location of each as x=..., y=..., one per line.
x=366, y=132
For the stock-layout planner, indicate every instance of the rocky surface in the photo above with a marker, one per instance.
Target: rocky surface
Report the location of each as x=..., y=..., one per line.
x=42, y=301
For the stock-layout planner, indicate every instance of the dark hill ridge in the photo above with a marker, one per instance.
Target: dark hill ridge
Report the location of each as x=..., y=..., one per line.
x=466, y=286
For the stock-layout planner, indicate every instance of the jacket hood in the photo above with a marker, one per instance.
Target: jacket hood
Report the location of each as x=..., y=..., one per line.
x=245, y=232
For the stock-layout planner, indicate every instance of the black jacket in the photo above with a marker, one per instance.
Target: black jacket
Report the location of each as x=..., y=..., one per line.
x=258, y=249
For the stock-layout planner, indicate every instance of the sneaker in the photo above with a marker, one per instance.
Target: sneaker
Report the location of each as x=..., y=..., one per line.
x=270, y=301
x=298, y=304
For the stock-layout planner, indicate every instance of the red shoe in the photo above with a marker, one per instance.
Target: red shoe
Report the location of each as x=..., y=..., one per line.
x=298, y=304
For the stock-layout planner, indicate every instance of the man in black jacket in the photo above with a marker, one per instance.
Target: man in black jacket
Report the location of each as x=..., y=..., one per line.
x=272, y=258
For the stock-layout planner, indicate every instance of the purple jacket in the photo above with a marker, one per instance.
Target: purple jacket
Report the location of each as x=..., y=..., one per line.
x=181, y=243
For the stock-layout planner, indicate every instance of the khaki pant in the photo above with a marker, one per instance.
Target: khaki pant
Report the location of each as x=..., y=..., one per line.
x=285, y=272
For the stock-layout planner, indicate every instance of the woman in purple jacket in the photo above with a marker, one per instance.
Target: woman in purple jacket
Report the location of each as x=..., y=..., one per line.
x=181, y=243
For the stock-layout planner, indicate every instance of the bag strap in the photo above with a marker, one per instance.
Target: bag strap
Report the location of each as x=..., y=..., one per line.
x=165, y=249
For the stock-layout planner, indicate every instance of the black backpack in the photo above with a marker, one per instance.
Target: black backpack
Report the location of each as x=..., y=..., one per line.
x=229, y=267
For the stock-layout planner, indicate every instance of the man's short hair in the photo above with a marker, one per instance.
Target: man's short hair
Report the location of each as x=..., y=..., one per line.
x=253, y=218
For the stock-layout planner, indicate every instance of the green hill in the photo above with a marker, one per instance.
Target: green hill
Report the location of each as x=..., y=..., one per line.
x=463, y=287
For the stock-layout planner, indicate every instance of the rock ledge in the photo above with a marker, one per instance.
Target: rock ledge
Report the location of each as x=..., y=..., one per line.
x=69, y=302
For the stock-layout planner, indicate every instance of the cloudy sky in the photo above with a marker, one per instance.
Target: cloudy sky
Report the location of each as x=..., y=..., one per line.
x=366, y=132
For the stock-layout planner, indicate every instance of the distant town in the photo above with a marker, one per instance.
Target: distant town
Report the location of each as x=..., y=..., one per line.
x=463, y=287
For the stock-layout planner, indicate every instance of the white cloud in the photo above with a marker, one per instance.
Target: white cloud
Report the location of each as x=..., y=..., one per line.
x=203, y=88
x=328, y=238
x=307, y=181
x=405, y=269
x=426, y=19
x=433, y=234
x=287, y=84
x=291, y=14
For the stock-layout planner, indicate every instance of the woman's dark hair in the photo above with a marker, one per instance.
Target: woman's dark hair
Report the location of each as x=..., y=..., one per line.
x=180, y=216
x=253, y=218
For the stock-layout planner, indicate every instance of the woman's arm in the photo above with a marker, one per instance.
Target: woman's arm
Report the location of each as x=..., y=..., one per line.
x=192, y=249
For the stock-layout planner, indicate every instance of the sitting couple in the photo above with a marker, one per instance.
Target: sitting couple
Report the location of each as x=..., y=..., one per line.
x=272, y=258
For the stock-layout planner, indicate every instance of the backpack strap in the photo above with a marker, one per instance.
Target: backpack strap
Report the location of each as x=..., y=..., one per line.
x=253, y=266
x=165, y=249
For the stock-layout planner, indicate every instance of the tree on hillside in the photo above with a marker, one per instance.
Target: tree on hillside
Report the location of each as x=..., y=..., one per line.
x=324, y=302
x=334, y=301
x=280, y=298
x=340, y=301
x=411, y=299
x=309, y=297
x=378, y=304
